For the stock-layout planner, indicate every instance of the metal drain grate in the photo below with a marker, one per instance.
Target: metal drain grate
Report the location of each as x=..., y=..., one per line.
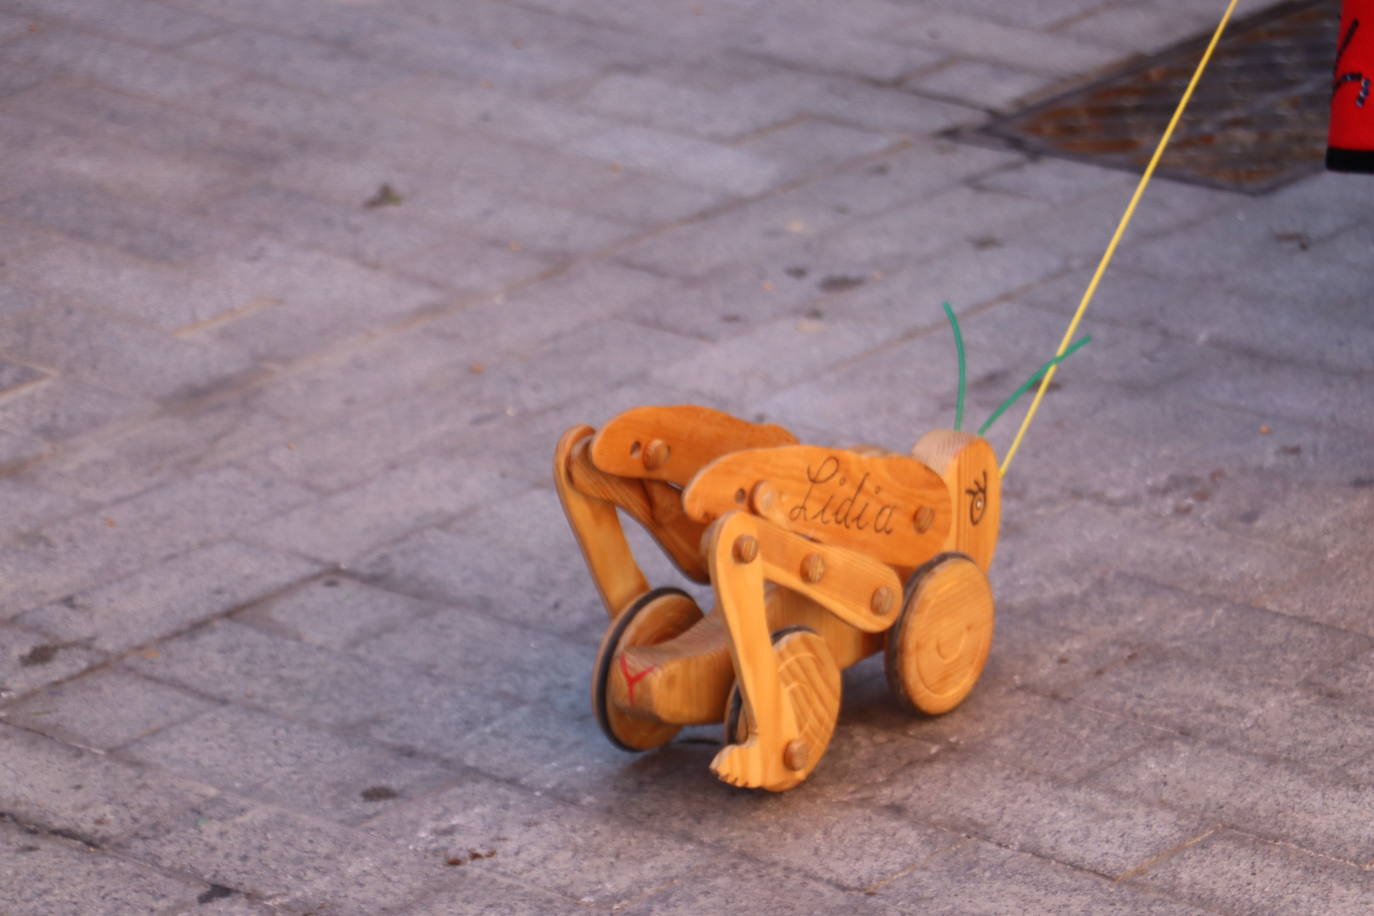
x=1256, y=121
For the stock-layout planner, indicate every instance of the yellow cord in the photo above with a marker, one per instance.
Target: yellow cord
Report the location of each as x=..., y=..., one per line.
x=1120, y=230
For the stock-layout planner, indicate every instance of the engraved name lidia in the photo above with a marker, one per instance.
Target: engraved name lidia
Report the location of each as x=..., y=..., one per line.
x=831, y=500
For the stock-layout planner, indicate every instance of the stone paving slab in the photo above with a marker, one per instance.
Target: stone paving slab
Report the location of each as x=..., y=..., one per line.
x=1257, y=876
x=289, y=860
x=297, y=296
x=84, y=794
x=1254, y=792
x=108, y=708
x=38, y=867
x=978, y=877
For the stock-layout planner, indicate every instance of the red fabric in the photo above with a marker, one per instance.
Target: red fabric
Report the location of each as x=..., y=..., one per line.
x=1351, y=135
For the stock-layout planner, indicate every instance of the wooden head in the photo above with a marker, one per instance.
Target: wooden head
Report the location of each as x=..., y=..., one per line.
x=969, y=468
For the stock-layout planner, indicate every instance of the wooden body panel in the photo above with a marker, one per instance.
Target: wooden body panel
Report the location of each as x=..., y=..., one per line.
x=673, y=443
x=893, y=509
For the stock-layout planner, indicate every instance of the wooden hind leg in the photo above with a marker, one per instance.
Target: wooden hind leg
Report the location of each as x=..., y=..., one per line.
x=596, y=525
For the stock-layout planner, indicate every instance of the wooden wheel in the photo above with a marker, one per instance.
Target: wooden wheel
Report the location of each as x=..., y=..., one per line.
x=652, y=618
x=810, y=681
x=737, y=723
x=939, y=644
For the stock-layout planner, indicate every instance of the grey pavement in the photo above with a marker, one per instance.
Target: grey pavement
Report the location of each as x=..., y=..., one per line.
x=297, y=295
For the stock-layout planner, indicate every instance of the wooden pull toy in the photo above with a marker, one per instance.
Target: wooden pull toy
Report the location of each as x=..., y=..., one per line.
x=818, y=558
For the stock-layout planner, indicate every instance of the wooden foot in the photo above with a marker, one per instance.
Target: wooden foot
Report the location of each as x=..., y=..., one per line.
x=654, y=617
x=937, y=649
x=810, y=686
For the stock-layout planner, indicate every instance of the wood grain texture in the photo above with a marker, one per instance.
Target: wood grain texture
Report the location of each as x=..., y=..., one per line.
x=968, y=466
x=811, y=685
x=848, y=644
x=740, y=600
x=894, y=509
x=673, y=443
x=596, y=525
x=936, y=652
x=657, y=506
x=779, y=714
x=848, y=585
x=654, y=618
x=690, y=676
x=684, y=680
x=791, y=537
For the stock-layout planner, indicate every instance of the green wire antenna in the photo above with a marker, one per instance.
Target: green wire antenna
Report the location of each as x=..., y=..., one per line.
x=1025, y=386
x=958, y=346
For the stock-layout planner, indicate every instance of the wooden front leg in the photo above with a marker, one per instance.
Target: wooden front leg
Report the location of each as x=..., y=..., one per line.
x=745, y=551
x=863, y=592
x=737, y=571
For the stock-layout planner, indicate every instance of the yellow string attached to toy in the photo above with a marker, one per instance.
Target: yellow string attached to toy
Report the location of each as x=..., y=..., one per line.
x=1120, y=231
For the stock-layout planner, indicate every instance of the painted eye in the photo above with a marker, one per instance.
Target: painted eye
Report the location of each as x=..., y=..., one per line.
x=979, y=504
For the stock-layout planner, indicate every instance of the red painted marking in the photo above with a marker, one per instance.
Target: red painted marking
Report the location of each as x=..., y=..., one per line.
x=632, y=679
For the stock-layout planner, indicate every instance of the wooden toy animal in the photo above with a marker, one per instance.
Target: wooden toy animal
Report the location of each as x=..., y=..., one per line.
x=807, y=549
x=818, y=558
